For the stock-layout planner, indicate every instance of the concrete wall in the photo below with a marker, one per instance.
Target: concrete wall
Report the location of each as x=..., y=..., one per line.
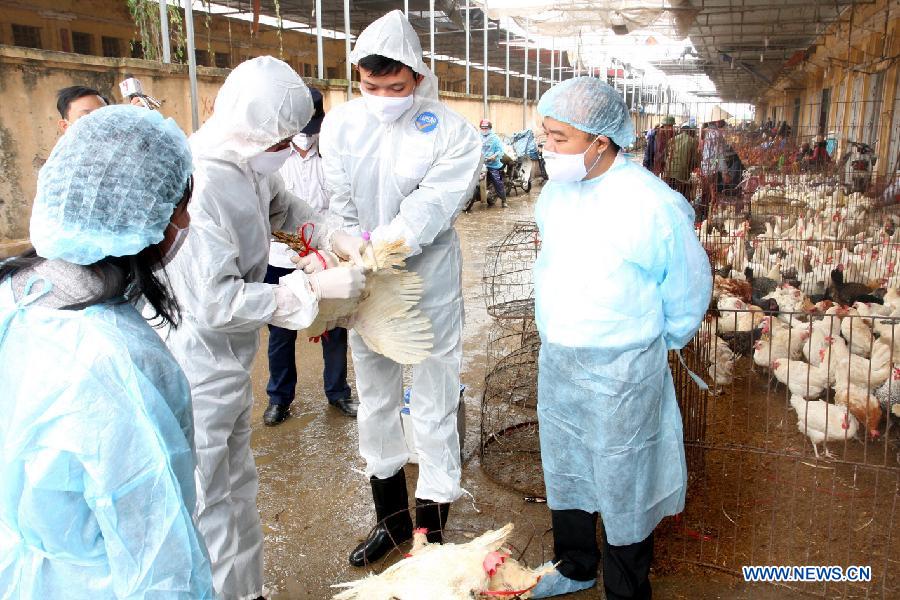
x=30, y=78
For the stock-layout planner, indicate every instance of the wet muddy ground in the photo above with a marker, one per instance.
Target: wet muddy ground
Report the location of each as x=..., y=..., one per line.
x=316, y=504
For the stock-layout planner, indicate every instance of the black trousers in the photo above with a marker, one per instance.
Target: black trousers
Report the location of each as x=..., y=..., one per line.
x=626, y=569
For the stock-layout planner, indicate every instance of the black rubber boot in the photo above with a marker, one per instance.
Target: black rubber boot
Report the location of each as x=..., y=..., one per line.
x=432, y=516
x=394, y=524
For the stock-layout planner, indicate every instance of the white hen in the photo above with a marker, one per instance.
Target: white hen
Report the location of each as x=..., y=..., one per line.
x=822, y=422
x=446, y=571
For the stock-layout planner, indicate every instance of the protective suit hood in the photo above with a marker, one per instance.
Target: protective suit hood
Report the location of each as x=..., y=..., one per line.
x=393, y=37
x=262, y=102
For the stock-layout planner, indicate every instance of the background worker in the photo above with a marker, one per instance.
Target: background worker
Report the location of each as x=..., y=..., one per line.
x=492, y=152
x=302, y=174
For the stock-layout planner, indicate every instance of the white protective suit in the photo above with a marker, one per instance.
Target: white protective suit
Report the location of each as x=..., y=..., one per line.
x=218, y=279
x=407, y=179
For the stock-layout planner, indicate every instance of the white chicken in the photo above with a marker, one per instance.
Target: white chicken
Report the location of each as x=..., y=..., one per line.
x=721, y=360
x=821, y=334
x=857, y=333
x=385, y=315
x=786, y=339
x=857, y=370
x=822, y=422
x=801, y=378
x=446, y=571
x=737, y=315
x=790, y=300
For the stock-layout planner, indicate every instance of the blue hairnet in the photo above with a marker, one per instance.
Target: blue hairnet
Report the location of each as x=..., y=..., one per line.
x=110, y=185
x=588, y=104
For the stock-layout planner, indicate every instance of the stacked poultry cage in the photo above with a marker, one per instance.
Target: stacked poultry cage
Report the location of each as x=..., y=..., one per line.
x=801, y=346
x=510, y=450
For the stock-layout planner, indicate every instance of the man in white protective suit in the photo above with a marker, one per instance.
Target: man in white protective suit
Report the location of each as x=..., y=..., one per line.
x=400, y=165
x=239, y=198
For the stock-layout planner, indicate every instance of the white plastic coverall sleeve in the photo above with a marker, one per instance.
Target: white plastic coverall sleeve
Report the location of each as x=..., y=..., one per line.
x=209, y=274
x=218, y=279
x=407, y=179
x=96, y=458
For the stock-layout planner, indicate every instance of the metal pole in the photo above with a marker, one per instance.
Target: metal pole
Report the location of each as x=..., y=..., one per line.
x=431, y=28
x=525, y=85
x=485, y=44
x=406, y=8
x=164, y=30
x=552, y=58
x=537, y=70
x=347, y=49
x=507, y=63
x=467, y=48
x=192, y=62
x=320, y=53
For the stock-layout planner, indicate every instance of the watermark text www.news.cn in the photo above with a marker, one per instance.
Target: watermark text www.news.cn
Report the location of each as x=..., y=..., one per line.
x=806, y=573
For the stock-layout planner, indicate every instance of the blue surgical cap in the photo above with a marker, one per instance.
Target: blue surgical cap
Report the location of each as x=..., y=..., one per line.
x=588, y=104
x=110, y=185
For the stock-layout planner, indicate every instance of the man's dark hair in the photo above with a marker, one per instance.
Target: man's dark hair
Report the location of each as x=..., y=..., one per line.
x=67, y=95
x=380, y=66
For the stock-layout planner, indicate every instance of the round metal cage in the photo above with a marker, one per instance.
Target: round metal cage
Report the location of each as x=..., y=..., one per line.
x=507, y=276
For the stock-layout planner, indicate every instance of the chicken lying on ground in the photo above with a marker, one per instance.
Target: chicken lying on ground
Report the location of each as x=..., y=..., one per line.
x=449, y=572
x=385, y=315
x=822, y=422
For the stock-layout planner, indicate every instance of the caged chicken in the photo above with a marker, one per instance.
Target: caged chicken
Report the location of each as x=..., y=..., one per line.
x=385, y=315
x=477, y=569
x=822, y=422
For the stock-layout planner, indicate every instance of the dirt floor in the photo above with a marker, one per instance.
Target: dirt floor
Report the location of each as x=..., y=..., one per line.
x=315, y=502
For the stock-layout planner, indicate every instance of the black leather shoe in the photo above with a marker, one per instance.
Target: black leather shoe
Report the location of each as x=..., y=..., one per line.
x=379, y=543
x=275, y=414
x=345, y=405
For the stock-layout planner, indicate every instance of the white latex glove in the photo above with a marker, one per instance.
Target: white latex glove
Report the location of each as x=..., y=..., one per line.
x=311, y=263
x=340, y=282
x=349, y=247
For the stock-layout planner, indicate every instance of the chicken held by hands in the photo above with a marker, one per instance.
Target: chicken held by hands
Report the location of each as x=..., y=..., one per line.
x=385, y=314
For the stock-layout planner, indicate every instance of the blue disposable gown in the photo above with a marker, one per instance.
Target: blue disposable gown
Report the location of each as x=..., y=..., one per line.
x=620, y=279
x=96, y=466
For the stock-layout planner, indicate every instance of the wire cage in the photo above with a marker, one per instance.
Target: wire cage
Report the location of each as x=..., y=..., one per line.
x=507, y=275
x=510, y=448
x=801, y=452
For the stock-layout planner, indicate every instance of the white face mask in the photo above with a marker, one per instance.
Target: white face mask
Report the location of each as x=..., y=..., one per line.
x=305, y=142
x=267, y=163
x=387, y=108
x=568, y=168
x=180, y=236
